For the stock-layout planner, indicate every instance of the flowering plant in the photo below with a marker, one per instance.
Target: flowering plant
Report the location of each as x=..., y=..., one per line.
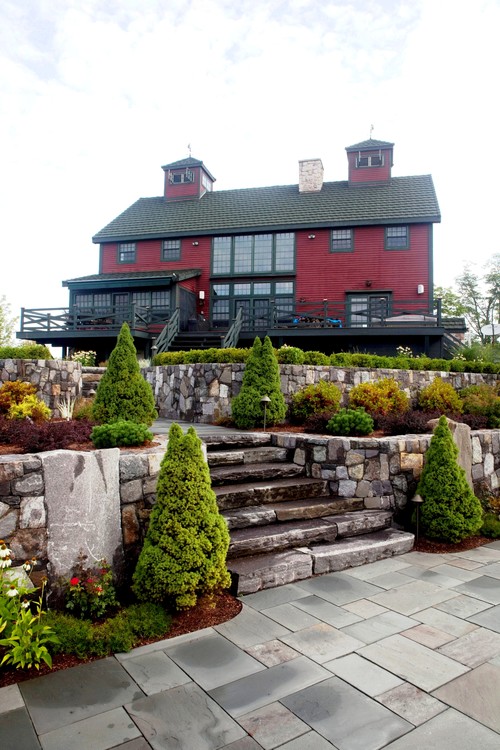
x=86, y=359
x=24, y=635
x=90, y=593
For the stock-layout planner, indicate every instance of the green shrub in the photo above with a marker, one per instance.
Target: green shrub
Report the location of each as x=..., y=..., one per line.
x=350, y=422
x=83, y=408
x=450, y=511
x=380, y=397
x=122, y=393
x=184, y=553
x=26, y=351
x=440, y=396
x=341, y=359
x=314, y=399
x=207, y=356
x=120, y=433
x=491, y=526
x=261, y=377
x=316, y=358
x=361, y=359
x=30, y=407
x=86, y=359
x=169, y=358
x=290, y=355
x=480, y=399
x=14, y=392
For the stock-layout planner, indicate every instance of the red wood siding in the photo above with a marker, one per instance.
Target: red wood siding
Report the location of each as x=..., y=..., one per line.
x=182, y=190
x=325, y=275
x=369, y=174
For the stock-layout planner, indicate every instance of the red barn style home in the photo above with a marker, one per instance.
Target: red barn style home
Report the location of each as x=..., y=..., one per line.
x=322, y=265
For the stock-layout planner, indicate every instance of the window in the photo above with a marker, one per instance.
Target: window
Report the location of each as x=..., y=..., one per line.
x=171, y=250
x=88, y=301
x=366, y=310
x=396, y=238
x=156, y=300
x=264, y=303
x=180, y=176
x=126, y=252
x=342, y=241
x=259, y=253
x=370, y=160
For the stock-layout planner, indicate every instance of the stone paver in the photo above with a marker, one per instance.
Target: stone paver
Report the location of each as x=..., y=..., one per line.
x=184, y=717
x=413, y=662
x=346, y=717
x=449, y=730
x=273, y=725
x=476, y=694
x=362, y=674
x=411, y=703
x=344, y=661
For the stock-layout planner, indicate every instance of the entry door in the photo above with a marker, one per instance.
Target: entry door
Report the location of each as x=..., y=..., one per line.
x=365, y=310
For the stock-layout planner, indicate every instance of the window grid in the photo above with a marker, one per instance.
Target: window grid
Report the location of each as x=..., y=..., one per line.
x=261, y=253
x=171, y=250
x=342, y=241
x=396, y=238
x=126, y=252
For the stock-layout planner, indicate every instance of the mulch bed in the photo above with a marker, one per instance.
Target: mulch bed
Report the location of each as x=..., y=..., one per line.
x=209, y=611
x=441, y=548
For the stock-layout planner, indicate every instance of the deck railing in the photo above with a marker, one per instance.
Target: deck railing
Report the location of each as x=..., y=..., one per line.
x=63, y=319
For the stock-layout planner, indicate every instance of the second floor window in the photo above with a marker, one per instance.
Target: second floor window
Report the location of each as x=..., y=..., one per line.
x=397, y=238
x=342, y=241
x=126, y=252
x=254, y=253
x=171, y=250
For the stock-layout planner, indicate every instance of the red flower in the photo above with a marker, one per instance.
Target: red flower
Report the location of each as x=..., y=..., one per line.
x=74, y=581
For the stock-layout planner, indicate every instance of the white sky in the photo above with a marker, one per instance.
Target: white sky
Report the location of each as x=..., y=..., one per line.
x=95, y=95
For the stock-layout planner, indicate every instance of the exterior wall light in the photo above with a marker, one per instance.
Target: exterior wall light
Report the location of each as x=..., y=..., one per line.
x=420, y=289
x=312, y=237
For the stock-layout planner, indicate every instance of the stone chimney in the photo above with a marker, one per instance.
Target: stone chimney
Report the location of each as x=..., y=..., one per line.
x=310, y=175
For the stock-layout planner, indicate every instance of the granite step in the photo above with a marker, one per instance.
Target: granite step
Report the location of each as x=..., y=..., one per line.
x=223, y=441
x=259, y=493
x=289, y=510
x=254, y=472
x=278, y=568
x=280, y=536
x=265, y=454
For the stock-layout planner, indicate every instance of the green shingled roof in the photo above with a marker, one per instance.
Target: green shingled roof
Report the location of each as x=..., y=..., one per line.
x=371, y=143
x=139, y=276
x=403, y=200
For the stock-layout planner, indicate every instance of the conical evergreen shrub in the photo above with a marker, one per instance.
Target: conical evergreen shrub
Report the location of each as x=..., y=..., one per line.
x=450, y=511
x=261, y=377
x=184, y=553
x=122, y=393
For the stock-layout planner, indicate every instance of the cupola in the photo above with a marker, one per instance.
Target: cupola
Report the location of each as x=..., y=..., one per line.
x=370, y=162
x=187, y=179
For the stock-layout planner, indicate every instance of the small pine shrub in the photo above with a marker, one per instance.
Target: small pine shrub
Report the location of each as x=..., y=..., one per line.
x=120, y=433
x=30, y=407
x=184, y=553
x=440, y=396
x=351, y=422
x=123, y=393
x=316, y=358
x=261, y=377
x=380, y=397
x=319, y=397
x=14, y=392
x=450, y=511
x=290, y=355
x=491, y=526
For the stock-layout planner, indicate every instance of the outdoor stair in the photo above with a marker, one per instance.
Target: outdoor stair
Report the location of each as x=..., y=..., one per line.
x=284, y=526
x=197, y=340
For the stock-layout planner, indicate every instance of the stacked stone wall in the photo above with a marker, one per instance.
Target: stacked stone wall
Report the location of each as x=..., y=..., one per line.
x=54, y=379
x=379, y=472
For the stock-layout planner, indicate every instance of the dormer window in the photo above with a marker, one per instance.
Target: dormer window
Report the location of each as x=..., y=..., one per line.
x=180, y=176
x=370, y=160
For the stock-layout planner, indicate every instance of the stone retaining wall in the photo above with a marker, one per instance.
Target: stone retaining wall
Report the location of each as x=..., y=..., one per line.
x=54, y=378
x=54, y=504
x=203, y=392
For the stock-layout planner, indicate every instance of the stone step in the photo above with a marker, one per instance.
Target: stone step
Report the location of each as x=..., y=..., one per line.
x=351, y=552
x=280, y=536
x=276, y=569
x=289, y=510
x=265, y=454
x=254, y=472
x=258, y=493
x=227, y=440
